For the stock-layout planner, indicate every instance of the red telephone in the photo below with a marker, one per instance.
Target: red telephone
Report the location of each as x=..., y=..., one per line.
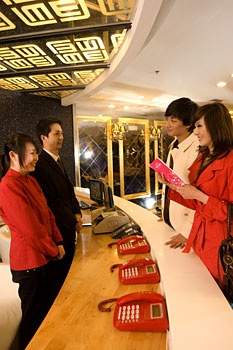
x=141, y=311
x=132, y=245
x=137, y=271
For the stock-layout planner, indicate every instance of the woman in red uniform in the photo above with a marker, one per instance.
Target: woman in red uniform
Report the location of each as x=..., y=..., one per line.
x=211, y=184
x=35, y=238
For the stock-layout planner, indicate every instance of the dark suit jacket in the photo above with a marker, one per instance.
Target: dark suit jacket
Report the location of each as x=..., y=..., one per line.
x=59, y=193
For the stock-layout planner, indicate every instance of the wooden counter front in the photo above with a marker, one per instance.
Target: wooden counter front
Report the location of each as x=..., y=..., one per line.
x=74, y=321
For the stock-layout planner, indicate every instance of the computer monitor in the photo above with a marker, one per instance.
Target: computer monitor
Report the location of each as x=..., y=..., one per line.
x=108, y=197
x=101, y=193
x=97, y=191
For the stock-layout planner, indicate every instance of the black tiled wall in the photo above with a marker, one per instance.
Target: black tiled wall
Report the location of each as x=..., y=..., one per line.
x=20, y=112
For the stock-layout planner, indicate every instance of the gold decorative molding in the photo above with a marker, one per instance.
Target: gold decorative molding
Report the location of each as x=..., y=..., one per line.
x=41, y=39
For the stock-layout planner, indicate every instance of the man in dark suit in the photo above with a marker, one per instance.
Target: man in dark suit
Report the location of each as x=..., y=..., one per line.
x=59, y=192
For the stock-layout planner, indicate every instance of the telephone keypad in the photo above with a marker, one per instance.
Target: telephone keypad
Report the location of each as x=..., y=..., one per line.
x=133, y=245
x=129, y=313
x=130, y=245
x=130, y=272
x=141, y=311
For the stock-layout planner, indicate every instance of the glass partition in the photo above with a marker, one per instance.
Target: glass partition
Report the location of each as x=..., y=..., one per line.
x=134, y=158
x=120, y=153
x=93, y=151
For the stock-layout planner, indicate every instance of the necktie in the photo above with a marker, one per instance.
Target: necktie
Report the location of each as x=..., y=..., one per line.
x=59, y=162
x=167, y=200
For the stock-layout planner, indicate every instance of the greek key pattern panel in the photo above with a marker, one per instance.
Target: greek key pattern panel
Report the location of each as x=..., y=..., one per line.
x=54, y=55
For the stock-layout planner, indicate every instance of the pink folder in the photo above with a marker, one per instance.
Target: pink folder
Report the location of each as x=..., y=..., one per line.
x=160, y=167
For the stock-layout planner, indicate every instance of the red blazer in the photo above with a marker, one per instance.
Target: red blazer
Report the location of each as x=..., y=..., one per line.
x=210, y=220
x=34, y=234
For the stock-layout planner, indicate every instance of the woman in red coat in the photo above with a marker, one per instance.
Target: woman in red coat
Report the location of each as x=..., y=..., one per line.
x=211, y=184
x=35, y=238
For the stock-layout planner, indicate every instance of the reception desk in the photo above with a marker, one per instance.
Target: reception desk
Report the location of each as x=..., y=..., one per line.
x=200, y=318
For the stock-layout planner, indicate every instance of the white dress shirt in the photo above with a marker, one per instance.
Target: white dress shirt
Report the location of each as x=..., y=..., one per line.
x=181, y=218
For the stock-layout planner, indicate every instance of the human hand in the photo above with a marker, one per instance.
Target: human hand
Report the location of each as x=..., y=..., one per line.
x=177, y=241
x=160, y=219
x=191, y=192
x=187, y=191
x=61, y=252
x=79, y=223
x=163, y=181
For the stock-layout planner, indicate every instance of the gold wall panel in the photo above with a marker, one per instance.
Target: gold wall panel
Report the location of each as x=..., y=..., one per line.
x=39, y=38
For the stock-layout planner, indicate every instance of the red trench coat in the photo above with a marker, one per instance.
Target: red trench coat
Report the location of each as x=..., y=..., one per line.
x=210, y=220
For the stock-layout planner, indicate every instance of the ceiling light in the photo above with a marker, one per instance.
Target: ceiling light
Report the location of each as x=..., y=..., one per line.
x=111, y=106
x=126, y=108
x=221, y=84
x=140, y=97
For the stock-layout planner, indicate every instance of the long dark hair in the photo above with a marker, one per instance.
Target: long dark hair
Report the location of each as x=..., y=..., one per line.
x=218, y=123
x=16, y=143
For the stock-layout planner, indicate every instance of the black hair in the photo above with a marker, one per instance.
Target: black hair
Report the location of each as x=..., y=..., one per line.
x=218, y=123
x=44, y=127
x=183, y=109
x=17, y=143
x=4, y=165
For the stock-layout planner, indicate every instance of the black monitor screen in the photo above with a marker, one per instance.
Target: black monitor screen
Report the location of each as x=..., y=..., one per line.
x=108, y=197
x=96, y=191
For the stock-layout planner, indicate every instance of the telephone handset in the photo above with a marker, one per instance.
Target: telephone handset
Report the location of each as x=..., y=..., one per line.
x=132, y=245
x=137, y=271
x=140, y=311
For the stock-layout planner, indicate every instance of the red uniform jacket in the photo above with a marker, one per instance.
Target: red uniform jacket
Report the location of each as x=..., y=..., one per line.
x=210, y=221
x=24, y=209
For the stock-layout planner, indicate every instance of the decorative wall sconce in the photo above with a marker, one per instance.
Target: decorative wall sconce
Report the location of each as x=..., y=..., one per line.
x=118, y=131
x=154, y=132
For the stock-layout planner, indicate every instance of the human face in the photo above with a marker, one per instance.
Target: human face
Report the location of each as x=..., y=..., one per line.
x=176, y=128
x=202, y=134
x=53, y=143
x=30, y=160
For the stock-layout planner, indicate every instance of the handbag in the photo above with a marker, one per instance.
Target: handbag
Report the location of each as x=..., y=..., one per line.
x=226, y=259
